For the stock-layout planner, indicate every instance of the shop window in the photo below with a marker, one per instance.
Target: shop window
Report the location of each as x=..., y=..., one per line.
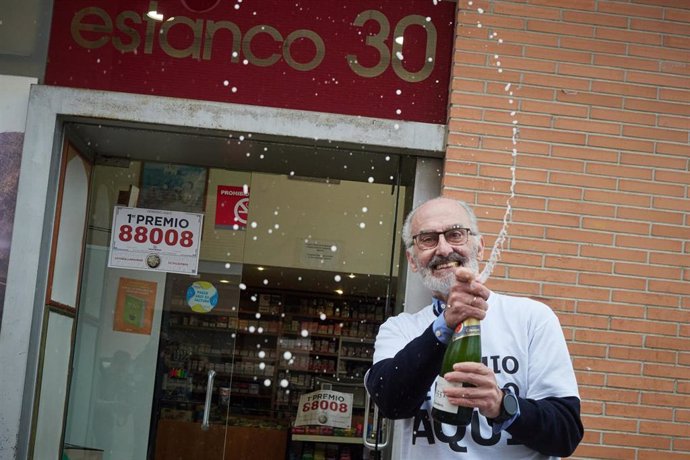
x=298, y=265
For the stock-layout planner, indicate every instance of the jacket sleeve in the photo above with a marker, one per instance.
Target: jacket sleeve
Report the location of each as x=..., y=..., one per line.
x=399, y=385
x=551, y=426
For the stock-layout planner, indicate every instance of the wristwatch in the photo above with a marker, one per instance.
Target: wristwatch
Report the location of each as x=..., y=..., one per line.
x=509, y=407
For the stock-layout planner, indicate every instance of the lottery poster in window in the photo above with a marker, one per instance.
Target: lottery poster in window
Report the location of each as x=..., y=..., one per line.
x=155, y=240
x=325, y=408
x=134, y=306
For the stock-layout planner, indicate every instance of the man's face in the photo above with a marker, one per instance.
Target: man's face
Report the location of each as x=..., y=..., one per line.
x=437, y=266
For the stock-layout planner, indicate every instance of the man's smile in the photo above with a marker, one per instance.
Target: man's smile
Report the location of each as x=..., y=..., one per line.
x=446, y=265
x=449, y=262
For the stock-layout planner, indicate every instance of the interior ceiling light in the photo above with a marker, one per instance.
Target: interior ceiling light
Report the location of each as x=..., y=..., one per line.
x=260, y=269
x=224, y=281
x=339, y=291
x=351, y=276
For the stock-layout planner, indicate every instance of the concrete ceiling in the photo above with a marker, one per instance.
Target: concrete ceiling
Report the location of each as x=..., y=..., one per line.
x=318, y=160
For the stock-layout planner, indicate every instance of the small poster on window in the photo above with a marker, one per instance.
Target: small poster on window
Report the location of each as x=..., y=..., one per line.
x=325, y=408
x=232, y=207
x=322, y=254
x=134, y=306
x=172, y=187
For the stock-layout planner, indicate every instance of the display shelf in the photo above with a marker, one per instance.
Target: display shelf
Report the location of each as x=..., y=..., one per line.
x=348, y=380
x=338, y=343
x=241, y=375
x=248, y=311
x=354, y=358
x=256, y=333
x=228, y=356
x=327, y=439
x=219, y=374
x=327, y=354
x=318, y=316
x=306, y=370
x=250, y=395
x=310, y=334
x=351, y=339
x=201, y=328
x=253, y=359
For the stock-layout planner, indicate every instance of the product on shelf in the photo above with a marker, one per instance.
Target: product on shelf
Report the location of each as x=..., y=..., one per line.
x=266, y=352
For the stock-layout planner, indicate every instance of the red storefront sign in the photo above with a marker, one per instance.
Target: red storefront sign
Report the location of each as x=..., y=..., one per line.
x=385, y=58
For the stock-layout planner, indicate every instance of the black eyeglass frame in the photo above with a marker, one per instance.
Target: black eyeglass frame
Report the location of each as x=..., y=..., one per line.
x=455, y=227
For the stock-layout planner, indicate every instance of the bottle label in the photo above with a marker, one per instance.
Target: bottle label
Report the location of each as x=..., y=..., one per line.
x=440, y=400
x=468, y=328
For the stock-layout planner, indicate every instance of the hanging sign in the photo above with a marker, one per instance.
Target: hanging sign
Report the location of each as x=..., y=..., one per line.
x=232, y=207
x=325, y=408
x=155, y=240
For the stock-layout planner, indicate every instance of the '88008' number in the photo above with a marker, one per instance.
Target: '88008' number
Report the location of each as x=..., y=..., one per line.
x=325, y=405
x=170, y=237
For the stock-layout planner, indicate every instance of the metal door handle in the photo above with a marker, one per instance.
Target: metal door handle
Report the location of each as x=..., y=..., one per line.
x=380, y=435
x=207, y=403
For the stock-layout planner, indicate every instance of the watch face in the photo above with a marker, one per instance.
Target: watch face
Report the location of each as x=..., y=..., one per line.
x=510, y=404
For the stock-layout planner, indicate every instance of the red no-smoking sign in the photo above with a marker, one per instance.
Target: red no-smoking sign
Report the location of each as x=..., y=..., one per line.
x=232, y=206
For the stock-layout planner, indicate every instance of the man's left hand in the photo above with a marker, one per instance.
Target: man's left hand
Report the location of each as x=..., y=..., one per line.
x=485, y=395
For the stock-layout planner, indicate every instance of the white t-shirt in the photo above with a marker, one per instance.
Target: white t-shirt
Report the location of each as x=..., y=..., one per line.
x=522, y=341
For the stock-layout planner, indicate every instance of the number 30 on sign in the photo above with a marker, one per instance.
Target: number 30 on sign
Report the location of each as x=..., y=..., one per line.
x=152, y=239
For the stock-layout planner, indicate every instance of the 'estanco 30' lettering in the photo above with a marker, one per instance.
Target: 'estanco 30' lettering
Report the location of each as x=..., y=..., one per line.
x=93, y=28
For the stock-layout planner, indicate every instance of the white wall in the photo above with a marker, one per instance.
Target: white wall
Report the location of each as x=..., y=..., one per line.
x=14, y=322
x=14, y=99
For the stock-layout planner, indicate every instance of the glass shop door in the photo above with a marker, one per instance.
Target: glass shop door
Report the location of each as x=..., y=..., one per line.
x=298, y=261
x=153, y=353
x=194, y=371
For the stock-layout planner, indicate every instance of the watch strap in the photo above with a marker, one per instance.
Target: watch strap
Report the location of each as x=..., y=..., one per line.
x=504, y=415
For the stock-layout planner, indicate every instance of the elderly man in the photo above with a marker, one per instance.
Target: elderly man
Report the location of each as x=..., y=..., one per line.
x=524, y=391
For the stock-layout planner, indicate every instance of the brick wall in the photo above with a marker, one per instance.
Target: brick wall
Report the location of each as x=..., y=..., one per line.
x=601, y=222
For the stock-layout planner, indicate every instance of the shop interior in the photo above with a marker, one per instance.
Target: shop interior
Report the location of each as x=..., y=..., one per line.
x=302, y=282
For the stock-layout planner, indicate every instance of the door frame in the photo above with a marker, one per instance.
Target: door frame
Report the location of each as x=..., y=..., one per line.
x=49, y=108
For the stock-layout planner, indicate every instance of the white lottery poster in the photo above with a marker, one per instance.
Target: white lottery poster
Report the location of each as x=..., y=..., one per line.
x=325, y=408
x=155, y=240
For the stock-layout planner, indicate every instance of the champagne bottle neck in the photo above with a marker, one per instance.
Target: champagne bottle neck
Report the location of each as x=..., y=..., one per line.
x=469, y=327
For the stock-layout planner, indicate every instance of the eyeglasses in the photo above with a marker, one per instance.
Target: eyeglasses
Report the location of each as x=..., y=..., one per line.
x=455, y=236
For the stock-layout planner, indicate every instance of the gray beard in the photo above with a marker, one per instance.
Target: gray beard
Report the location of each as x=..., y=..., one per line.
x=442, y=284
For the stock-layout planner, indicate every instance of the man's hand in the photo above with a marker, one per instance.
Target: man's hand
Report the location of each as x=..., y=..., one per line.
x=485, y=395
x=467, y=298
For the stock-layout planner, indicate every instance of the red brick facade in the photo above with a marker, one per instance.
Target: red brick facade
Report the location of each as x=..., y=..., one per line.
x=601, y=221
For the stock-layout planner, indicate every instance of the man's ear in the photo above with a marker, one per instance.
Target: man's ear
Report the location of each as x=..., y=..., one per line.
x=410, y=260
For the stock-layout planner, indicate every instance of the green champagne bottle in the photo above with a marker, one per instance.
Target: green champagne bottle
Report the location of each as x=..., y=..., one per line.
x=465, y=345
